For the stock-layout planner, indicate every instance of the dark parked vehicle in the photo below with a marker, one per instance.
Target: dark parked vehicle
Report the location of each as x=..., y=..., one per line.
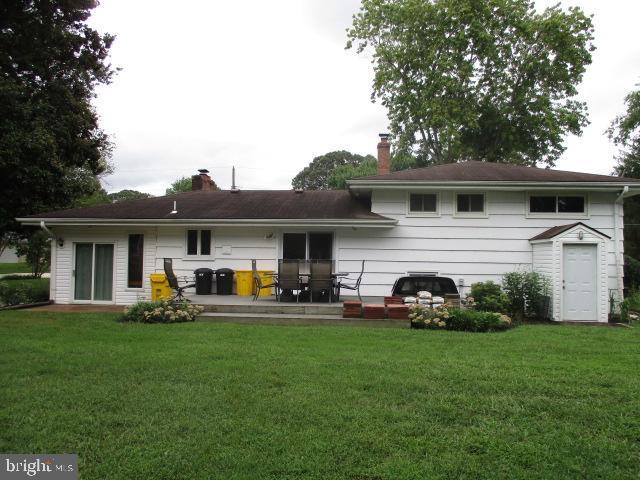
x=438, y=286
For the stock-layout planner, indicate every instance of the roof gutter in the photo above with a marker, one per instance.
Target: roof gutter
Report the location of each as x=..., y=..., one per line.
x=381, y=223
x=502, y=185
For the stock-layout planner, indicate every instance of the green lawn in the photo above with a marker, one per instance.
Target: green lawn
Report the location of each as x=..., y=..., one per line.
x=205, y=400
x=20, y=267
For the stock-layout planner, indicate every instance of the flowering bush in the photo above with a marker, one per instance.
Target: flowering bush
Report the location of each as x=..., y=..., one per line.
x=445, y=318
x=163, y=311
x=423, y=316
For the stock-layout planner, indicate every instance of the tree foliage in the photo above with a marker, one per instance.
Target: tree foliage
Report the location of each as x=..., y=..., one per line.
x=490, y=80
x=50, y=63
x=369, y=166
x=316, y=176
x=182, y=184
x=625, y=134
x=36, y=251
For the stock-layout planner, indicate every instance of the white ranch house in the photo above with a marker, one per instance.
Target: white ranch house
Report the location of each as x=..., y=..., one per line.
x=471, y=221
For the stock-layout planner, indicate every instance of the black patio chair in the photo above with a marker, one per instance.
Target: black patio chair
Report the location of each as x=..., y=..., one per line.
x=289, y=277
x=174, y=283
x=257, y=282
x=351, y=284
x=321, y=279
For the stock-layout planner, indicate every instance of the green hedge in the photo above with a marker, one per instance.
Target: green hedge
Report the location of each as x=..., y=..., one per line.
x=476, y=321
x=21, y=290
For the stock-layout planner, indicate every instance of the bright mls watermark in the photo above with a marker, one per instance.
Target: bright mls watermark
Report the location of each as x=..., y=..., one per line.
x=16, y=466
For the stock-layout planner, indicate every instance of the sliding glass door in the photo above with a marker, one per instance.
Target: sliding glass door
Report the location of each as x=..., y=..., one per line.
x=93, y=272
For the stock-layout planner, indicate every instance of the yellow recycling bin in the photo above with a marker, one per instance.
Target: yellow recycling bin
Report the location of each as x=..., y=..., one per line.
x=244, y=283
x=160, y=289
x=245, y=286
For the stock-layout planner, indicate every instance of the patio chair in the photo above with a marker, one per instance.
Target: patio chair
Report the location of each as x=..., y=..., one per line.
x=174, y=283
x=289, y=277
x=351, y=284
x=257, y=282
x=321, y=279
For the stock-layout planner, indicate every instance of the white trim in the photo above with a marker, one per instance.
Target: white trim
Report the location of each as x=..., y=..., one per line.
x=483, y=214
x=199, y=256
x=383, y=223
x=492, y=185
x=577, y=215
x=419, y=214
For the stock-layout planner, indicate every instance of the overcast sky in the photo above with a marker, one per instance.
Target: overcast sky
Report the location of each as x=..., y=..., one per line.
x=267, y=86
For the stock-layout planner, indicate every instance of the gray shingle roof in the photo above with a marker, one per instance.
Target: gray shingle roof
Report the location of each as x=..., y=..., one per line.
x=246, y=204
x=557, y=230
x=474, y=171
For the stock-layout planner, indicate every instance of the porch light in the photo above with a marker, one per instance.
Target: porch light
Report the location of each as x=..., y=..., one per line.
x=60, y=242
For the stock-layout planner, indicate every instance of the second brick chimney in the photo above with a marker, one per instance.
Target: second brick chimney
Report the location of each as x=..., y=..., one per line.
x=202, y=181
x=384, y=155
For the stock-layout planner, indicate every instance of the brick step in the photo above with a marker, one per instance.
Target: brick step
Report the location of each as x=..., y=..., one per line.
x=298, y=319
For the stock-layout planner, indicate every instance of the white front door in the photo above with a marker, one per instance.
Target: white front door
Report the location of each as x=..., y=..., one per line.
x=580, y=282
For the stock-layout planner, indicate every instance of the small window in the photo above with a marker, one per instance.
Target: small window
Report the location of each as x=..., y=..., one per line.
x=470, y=203
x=135, y=261
x=294, y=246
x=423, y=202
x=557, y=204
x=205, y=242
x=198, y=242
x=570, y=204
x=542, y=204
x=192, y=242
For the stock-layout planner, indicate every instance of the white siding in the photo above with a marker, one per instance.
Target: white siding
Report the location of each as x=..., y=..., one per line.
x=63, y=270
x=243, y=244
x=472, y=249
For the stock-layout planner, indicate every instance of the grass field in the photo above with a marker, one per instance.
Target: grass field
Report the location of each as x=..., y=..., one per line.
x=228, y=401
x=20, y=267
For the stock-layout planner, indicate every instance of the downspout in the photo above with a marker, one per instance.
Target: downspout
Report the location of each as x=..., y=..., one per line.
x=44, y=227
x=54, y=257
x=616, y=238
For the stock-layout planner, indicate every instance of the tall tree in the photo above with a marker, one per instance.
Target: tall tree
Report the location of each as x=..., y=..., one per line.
x=316, y=175
x=625, y=134
x=490, y=80
x=369, y=166
x=50, y=63
x=182, y=184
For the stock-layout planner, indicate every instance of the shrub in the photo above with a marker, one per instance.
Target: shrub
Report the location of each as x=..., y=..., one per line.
x=423, y=316
x=477, y=321
x=525, y=292
x=489, y=297
x=631, y=272
x=37, y=252
x=163, y=311
x=24, y=291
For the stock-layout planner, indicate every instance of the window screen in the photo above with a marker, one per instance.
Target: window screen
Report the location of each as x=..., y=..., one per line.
x=542, y=204
x=192, y=242
x=320, y=246
x=205, y=242
x=570, y=204
x=423, y=202
x=470, y=203
x=294, y=246
x=135, y=261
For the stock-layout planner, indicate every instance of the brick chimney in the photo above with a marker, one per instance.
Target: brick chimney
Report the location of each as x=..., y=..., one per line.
x=202, y=181
x=384, y=155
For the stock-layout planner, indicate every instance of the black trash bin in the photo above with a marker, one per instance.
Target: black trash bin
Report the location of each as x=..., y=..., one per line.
x=204, y=279
x=224, y=281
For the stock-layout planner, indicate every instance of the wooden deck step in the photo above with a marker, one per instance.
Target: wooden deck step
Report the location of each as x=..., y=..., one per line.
x=298, y=319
